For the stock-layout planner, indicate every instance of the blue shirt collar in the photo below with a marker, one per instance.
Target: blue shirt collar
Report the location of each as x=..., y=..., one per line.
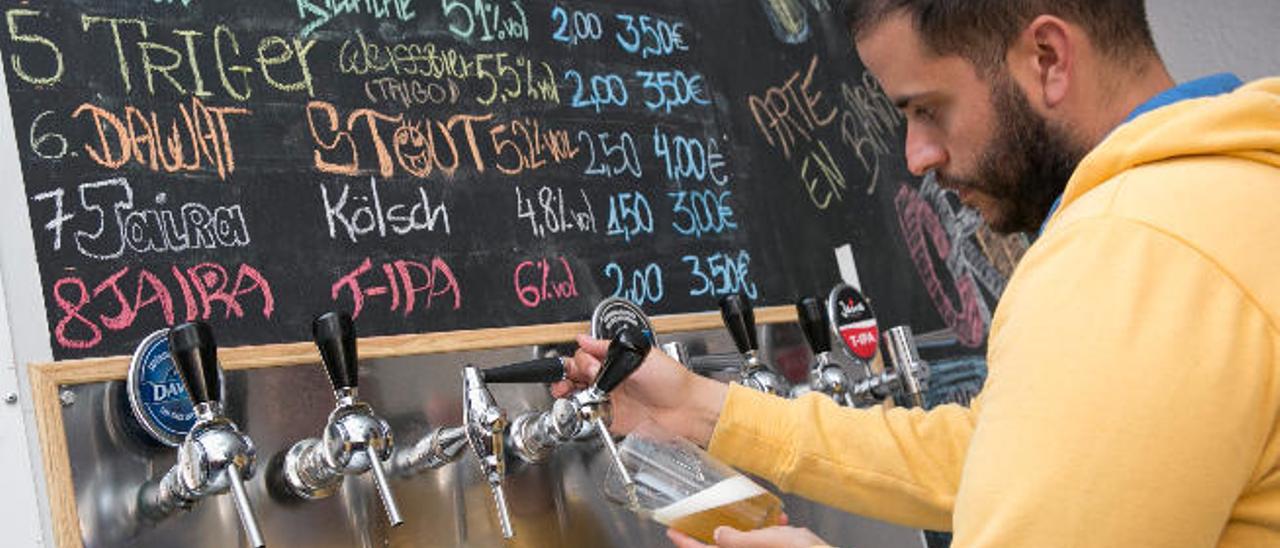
x=1208, y=86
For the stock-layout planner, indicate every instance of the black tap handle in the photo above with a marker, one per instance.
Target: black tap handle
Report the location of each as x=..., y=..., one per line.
x=544, y=370
x=196, y=354
x=813, y=321
x=335, y=336
x=627, y=351
x=740, y=320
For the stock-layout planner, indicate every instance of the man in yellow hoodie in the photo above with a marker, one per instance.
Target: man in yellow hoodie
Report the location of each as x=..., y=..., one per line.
x=1134, y=360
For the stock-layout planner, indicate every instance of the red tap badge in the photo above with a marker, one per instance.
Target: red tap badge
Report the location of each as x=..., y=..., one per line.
x=854, y=321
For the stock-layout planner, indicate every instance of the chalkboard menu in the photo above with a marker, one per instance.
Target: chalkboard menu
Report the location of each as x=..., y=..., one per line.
x=436, y=165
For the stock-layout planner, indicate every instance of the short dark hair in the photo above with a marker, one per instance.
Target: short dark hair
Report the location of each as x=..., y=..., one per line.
x=982, y=30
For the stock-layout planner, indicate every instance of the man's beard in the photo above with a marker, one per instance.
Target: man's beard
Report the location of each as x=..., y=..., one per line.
x=1026, y=166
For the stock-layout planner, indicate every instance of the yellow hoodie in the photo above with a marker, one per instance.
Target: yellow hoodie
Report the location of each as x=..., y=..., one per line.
x=1133, y=393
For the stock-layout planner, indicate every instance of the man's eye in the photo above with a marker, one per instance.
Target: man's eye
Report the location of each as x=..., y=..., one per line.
x=922, y=113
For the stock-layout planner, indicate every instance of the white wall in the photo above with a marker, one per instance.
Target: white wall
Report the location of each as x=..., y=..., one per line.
x=19, y=507
x=24, y=339
x=1202, y=37
x=1197, y=37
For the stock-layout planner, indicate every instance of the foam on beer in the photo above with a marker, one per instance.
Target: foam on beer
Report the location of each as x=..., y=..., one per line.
x=724, y=493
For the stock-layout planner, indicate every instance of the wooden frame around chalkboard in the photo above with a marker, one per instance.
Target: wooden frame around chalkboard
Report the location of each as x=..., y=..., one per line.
x=48, y=379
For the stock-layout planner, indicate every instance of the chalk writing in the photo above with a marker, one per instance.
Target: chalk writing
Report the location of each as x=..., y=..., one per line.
x=641, y=286
x=618, y=154
x=282, y=64
x=40, y=143
x=822, y=177
x=551, y=214
x=597, y=91
x=670, y=89
x=361, y=56
x=867, y=123
x=116, y=302
x=788, y=20
x=411, y=92
x=530, y=146
x=416, y=147
x=110, y=223
x=420, y=147
x=629, y=215
x=690, y=158
x=790, y=113
x=922, y=227
x=410, y=285
x=977, y=251
x=576, y=26
x=508, y=77
x=721, y=274
x=542, y=281
x=320, y=12
x=357, y=213
x=792, y=116
x=140, y=137
x=16, y=61
x=494, y=20
x=650, y=36
x=509, y=83
x=702, y=212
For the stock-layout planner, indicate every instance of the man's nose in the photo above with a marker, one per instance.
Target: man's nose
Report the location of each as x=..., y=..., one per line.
x=924, y=153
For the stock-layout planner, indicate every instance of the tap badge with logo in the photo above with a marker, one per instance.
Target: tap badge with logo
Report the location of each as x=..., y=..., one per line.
x=615, y=314
x=157, y=396
x=854, y=321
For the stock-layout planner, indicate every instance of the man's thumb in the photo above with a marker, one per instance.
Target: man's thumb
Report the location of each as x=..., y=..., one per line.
x=596, y=347
x=726, y=535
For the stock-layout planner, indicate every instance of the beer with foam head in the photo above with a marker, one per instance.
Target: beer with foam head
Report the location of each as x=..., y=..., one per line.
x=736, y=501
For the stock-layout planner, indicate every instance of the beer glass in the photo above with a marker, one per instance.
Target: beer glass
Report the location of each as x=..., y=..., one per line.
x=679, y=485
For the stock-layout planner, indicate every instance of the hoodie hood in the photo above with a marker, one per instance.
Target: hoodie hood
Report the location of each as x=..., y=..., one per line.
x=1244, y=124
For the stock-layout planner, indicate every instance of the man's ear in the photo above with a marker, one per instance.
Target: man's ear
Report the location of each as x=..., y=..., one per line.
x=1043, y=59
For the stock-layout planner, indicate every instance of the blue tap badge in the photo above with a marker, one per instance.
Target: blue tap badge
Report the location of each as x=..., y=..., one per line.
x=156, y=393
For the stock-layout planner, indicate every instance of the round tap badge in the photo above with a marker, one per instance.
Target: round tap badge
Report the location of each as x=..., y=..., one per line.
x=156, y=393
x=854, y=321
x=614, y=314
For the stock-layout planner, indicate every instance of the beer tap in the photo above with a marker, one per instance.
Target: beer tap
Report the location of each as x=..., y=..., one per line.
x=705, y=364
x=535, y=435
x=439, y=447
x=442, y=446
x=905, y=374
x=483, y=429
x=215, y=456
x=484, y=424
x=739, y=318
x=355, y=440
x=825, y=375
x=912, y=372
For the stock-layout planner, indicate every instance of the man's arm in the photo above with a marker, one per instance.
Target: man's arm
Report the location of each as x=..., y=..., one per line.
x=897, y=465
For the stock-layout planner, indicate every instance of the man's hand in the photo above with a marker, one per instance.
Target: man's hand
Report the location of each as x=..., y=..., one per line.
x=769, y=537
x=661, y=390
